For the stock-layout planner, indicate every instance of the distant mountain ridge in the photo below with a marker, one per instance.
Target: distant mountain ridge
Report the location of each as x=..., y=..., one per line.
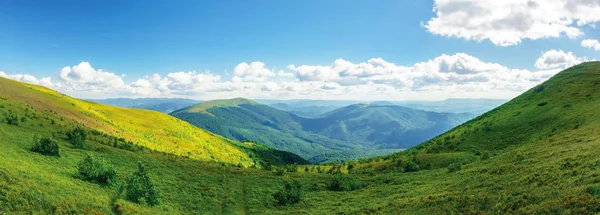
x=341, y=134
x=164, y=105
x=315, y=108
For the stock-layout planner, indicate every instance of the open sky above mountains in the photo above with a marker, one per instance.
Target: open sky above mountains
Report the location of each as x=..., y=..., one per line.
x=343, y=50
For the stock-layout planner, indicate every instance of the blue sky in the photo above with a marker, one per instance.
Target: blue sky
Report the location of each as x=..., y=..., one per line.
x=142, y=38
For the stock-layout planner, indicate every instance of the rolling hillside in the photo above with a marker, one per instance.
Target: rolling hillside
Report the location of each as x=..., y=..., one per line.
x=537, y=154
x=244, y=119
x=348, y=133
x=150, y=129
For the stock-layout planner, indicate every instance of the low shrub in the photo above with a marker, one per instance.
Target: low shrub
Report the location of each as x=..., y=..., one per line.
x=11, y=118
x=46, y=146
x=140, y=189
x=453, y=167
x=341, y=182
x=411, y=166
x=92, y=170
x=291, y=193
x=77, y=137
x=279, y=171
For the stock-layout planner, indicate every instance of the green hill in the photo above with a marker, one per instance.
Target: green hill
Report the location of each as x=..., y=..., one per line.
x=244, y=119
x=537, y=154
x=352, y=132
x=149, y=129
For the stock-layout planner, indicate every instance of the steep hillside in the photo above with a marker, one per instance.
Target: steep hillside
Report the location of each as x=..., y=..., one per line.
x=164, y=105
x=536, y=154
x=153, y=130
x=388, y=126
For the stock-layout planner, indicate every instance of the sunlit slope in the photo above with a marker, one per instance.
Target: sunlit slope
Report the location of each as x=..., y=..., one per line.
x=151, y=129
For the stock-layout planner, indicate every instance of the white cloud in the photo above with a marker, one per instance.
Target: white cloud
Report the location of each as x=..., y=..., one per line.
x=446, y=76
x=589, y=43
x=557, y=58
x=508, y=22
x=83, y=77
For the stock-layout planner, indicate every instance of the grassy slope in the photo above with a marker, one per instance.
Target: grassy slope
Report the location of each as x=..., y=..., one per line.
x=544, y=148
x=150, y=129
x=549, y=172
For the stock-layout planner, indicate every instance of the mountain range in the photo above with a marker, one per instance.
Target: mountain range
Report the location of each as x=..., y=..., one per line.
x=164, y=105
x=351, y=132
x=535, y=154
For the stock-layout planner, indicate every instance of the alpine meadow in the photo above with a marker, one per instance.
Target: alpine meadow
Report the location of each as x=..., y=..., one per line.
x=300, y=107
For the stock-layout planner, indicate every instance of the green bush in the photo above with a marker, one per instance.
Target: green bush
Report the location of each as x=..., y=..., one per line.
x=77, y=137
x=485, y=156
x=291, y=193
x=453, y=167
x=594, y=191
x=139, y=188
x=96, y=171
x=341, y=182
x=411, y=166
x=45, y=146
x=11, y=118
x=279, y=171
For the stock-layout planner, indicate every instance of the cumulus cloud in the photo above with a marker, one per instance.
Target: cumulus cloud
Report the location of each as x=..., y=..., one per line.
x=446, y=76
x=256, y=72
x=589, y=43
x=557, y=58
x=508, y=22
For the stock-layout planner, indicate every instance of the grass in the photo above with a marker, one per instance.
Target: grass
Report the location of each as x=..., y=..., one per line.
x=553, y=168
x=150, y=129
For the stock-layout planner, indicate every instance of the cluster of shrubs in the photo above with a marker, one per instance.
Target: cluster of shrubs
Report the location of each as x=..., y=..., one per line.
x=11, y=118
x=138, y=186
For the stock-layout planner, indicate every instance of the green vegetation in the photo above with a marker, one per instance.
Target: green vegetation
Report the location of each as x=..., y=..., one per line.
x=133, y=127
x=139, y=188
x=96, y=170
x=77, y=137
x=356, y=131
x=291, y=193
x=46, y=146
x=341, y=182
x=540, y=160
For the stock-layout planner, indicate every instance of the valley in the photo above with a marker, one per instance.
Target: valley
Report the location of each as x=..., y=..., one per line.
x=536, y=154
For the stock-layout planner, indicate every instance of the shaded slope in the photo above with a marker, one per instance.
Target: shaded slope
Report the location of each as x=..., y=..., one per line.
x=388, y=126
x=243, y=119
